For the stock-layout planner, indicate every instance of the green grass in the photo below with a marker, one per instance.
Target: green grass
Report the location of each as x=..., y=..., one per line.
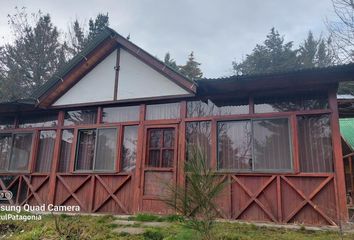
x=100, y=227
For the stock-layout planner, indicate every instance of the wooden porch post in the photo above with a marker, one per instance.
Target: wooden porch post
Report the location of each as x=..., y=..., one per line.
x=338, y=157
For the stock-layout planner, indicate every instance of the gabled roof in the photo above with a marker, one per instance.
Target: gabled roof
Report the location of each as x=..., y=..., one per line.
x=100, y=47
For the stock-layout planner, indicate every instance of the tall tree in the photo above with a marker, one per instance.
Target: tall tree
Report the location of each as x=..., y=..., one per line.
x=191, y=69
x=34, y=56
x=342, y=29
x=273, y=55
x=315, y=52
x=170, y=61
x=78, y=37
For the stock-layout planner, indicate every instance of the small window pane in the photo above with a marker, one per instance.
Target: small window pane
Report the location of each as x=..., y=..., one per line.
x=120, y=114
x=78, y=117
x=167, y=158
x=155, y=138
x=130, y=140
x=39, y=120
x=106, y=149
x=271, y=144
x=315, y=143
x=198, y=134
x=21, y=151
x=45, y=151
x=292, y=103
x=154, y=158
x=65, y=150
x=86, y=149
x=5, y=148
x=6, y=122
x=168, y=138
x=163, y=111
x=234, y=145
x=216, y=108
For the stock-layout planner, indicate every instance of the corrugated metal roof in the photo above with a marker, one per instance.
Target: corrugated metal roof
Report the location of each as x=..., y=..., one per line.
x=347, y=130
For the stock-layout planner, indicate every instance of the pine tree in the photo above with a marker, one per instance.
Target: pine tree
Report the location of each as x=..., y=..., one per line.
x=33, y=58
x=272, y=56
x=191, y=68
x=170, y=61
x=79, y=38
x=308, y=51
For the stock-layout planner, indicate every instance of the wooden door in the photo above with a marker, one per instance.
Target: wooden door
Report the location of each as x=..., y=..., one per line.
x=159, y=168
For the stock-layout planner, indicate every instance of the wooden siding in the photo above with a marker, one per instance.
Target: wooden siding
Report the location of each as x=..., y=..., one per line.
x=291, y=197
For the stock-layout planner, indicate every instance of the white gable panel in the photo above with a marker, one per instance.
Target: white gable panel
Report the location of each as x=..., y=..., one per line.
x=138, y=80
x=95, y=86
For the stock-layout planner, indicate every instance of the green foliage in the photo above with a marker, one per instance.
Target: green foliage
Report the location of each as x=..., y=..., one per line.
x=153, y=234
x=196, y=199
x=34, y=56
x=144, y=217
x=170, y=61
x=276, y=55
x=191, y=69
x=273, y=55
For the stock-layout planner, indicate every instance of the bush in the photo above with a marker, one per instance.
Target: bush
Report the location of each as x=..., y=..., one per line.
x=153, y=235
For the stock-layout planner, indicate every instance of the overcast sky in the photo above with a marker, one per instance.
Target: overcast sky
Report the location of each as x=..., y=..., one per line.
x=217, y=31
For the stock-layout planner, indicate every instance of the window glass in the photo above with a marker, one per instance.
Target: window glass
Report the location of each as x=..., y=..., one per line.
x=198, y=135
x=315, y=143
x=120, y=114
x=106, y=149
x=234, y=145
x=161, y=144
x=45, y=151
x=292, y=103
x=216, y=108
x=5, y=149
x=271, y=144
x=38, y=120
x=65, y=150
x=21, y=151
x=163, y=111
x=86, y=149
x=96, y=149
x=88, y=116
x=129, y=148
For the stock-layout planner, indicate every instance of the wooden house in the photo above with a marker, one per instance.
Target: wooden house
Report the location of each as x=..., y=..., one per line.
x=115, y=123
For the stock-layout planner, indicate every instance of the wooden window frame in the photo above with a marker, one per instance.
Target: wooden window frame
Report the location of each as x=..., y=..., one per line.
x=31, y=156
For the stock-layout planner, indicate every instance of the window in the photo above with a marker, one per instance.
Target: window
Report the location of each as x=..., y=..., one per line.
x=234, y=145
x=20, y=151
x=120, y=114
x=216, y=108
x=45, y=151
x=6, y=122
x=130, y=140
x=315, y=143
x=254, y=145
x=293, y=103
x=198, y=134
x=65, y=150
x=38, y=120
x=5, y=150
x=161, y=147
x=163, y=111
x=96, y=149
x=271, y=145
x=88, y=116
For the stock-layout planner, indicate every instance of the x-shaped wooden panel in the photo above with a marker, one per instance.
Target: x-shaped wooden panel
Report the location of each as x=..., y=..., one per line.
x=73, y=191
x=33, y=190
x=254, y=198
x=3, y=187
x=111, y=193
x=308, y=200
